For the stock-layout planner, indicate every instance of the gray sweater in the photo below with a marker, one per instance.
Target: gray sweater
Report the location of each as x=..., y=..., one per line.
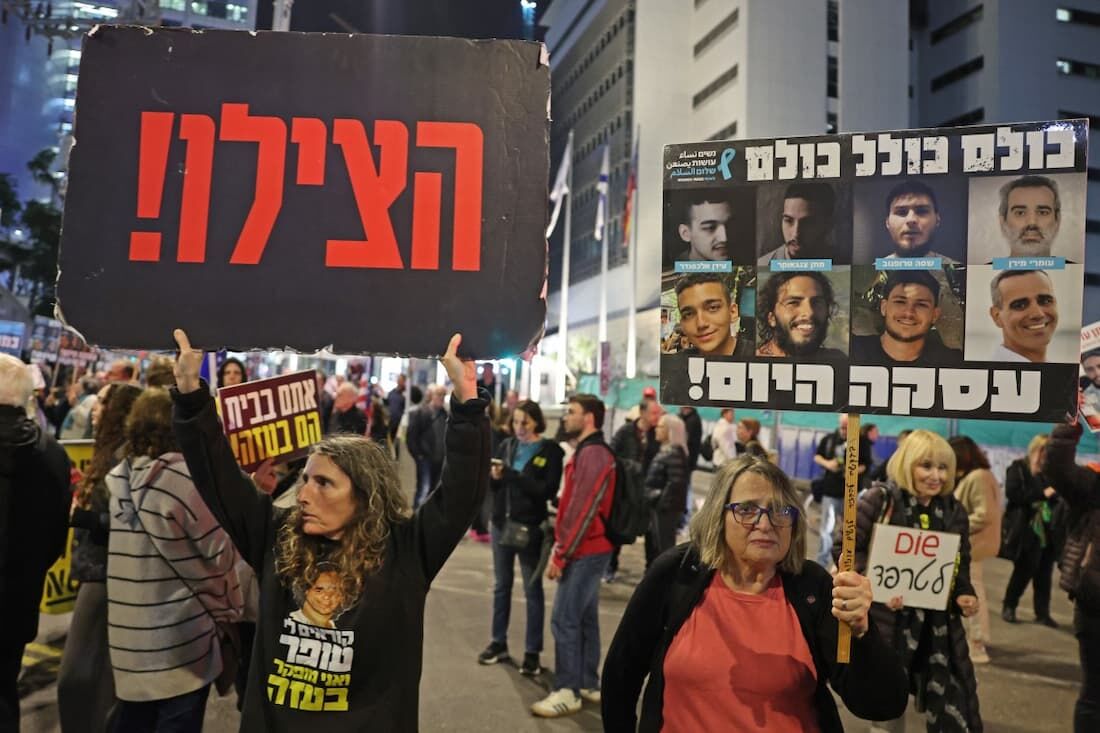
x=162, y=635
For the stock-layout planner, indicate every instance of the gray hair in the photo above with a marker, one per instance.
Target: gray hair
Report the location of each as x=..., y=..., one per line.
x=1030, y=182
x=16, y=383
x=677, y=432
x=708, y=525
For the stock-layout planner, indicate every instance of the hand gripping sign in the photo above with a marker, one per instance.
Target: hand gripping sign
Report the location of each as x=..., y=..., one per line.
x=272, y=190
x=916, y=564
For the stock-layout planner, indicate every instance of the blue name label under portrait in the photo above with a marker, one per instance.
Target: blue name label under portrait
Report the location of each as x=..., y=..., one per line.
x=802, y=265
x=1029, y=263
x=704, y=266
x=908, y=263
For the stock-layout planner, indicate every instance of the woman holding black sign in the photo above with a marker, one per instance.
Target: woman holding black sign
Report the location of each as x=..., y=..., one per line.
x=525, y=476
x=932, y=644
x=344, y=574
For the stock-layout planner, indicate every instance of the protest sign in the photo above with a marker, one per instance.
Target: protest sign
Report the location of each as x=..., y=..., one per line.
x=916, y=564
x=290, y=190
x=45, y=339
x=932, y=273
x=11, y=337
x=274, y=418
x=60, y=587
x=72, y=351
x=1090, y=376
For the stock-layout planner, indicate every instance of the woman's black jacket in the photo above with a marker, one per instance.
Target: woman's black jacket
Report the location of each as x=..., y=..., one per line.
x=873, y=686
x=529, y=489
x=668, y=474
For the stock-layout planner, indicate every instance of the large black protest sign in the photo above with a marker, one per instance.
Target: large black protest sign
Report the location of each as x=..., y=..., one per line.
x=368, y=193
x=933, y=273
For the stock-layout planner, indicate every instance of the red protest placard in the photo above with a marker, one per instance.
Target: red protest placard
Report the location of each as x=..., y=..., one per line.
x=273, y=418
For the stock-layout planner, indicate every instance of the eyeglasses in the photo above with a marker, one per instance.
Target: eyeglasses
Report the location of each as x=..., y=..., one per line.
x=748, y=514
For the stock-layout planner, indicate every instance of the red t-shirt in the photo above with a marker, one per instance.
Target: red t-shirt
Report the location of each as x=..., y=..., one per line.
x=740, y=662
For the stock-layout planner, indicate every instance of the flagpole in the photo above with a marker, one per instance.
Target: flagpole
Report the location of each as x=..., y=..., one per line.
x=631, y=324
x=563, y=310
x=601, y=335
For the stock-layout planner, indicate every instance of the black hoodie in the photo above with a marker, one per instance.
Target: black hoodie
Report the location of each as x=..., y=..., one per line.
x=34, y=517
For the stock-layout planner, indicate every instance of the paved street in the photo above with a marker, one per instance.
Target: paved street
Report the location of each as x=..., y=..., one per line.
x=1030, y=686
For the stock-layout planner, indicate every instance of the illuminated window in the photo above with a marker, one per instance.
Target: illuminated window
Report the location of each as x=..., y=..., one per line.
x=1070, y=67
x=1081, y=17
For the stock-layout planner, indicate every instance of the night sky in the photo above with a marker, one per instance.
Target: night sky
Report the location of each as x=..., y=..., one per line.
x=463, y=18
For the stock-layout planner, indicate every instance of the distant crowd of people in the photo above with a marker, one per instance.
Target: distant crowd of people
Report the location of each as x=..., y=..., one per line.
x=298, y=585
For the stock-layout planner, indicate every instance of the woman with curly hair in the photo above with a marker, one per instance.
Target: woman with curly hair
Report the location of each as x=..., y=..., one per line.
x=344, y=573
x=84, y=693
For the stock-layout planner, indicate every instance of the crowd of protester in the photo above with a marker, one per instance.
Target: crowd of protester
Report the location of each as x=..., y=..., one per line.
x=195, y=575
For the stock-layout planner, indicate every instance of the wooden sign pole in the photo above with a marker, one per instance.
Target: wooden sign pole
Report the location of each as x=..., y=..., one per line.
x=848, y=547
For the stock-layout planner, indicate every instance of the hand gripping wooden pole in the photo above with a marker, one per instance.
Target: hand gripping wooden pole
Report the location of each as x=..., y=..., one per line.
x=848, y=546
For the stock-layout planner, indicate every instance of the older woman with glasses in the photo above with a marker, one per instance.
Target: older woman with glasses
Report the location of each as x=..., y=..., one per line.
x=736, y=630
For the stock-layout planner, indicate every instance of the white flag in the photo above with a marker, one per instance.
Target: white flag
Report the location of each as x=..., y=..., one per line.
x=601, y=189
x=561, y=186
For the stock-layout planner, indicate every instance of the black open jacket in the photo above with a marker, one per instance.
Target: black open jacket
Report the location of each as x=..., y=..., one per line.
x=530, y=489
x=873, y=686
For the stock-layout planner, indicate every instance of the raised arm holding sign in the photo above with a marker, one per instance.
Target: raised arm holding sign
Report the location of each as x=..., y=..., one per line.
x=347, y=568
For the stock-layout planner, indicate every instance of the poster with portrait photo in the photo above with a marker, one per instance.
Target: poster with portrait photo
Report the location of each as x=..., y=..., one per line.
x=907, y=317
x=1090, y=376
x=803, y=315
x=904, y=205
x=1038, y=320
x=1044, y=217
x=709, y=224
x=803, y=220
x=909, y=217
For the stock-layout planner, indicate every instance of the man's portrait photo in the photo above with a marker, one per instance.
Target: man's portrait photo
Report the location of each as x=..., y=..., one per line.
x=706, y=318
x=803, y=315
x=908, y=316
x=798, y=221
x=1023, y=315
x=1090, y=388
x=714, y=224
x=910, y=217
x=1027, y=216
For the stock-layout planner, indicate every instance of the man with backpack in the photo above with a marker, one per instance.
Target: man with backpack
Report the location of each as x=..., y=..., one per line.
x=580, y=556
x=1079, y=487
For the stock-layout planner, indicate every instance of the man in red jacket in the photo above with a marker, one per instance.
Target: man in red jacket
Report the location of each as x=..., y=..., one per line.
x=581, y=554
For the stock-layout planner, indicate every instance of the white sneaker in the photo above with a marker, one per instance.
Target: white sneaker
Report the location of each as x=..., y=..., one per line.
x=557, y=703
x=591, y=694
x=978, y=653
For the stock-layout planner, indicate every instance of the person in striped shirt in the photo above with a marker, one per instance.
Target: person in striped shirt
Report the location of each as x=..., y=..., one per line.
x=171, y=579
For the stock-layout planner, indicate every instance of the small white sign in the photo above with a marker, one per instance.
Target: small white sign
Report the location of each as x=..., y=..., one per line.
x=916, y=564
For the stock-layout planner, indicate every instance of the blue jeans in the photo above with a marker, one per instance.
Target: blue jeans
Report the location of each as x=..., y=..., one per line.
x=576, y=624
x=831, y=509
x=427, y=476
x=180, y=714
x=504, y=565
